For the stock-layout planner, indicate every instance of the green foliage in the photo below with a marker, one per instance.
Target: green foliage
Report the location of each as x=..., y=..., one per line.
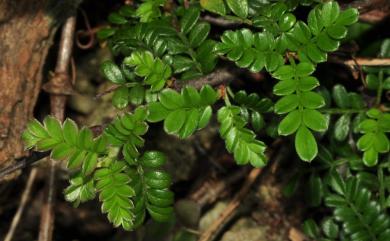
x=361, y=217
x=127, y=188
x=326, y=27
x=162, y=51
x=300, y=104
x=355, y=215
x=115, y=193
x=252, y=108
x=248, y=50
x=239, y=140
x=149, y=10
x=239, y=8
x=154, y=71
x=374, y=139
x=127, y=131
x=183, y=113
x=348, y=122
x=66, y=142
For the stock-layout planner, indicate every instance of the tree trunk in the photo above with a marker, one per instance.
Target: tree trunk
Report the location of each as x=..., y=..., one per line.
x=27, y=28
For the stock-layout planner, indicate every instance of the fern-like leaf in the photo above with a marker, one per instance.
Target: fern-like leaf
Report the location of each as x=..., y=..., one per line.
x=362, y=218
x=252, y=108
x=374, y=139
x=66, y=142
x=299, y=102
x=115, y=193
x=239, y=140
x=127, y=130
x=185, y=112
x=248, y=50
x=154, y=70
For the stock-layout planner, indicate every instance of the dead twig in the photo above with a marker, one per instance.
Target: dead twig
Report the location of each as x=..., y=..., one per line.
x=232, y=207
x=221, y=22
x=89, y=32
x=215, y=78
x=210, y=190
x=22, y=163
x=366, y=5
x=59, y=87
x=368, y=61
x=22, y=205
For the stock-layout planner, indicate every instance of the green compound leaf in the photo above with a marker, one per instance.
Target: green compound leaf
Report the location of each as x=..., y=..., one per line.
x=299, y=102
x=374, y=140
x=151, y=187
x=305, y=144
x=115, y=193
x=350, y=205
x=128, y=130
x=326, y=27
x=66, y=142
x=252, y=51
x=183, y=113
x=154, y=70
x=252, y=108
x=239, y=140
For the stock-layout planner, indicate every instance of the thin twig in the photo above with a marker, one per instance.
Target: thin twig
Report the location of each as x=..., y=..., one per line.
x=22, y=205
x=366, y=5
x=57, y=87
x=233, y=205
x=89, y=32
x=229, y=212
x=22, y=163
x=107, y=91
x=368, y=62
x=210, y=189
x=221, y=22
x=215, y=78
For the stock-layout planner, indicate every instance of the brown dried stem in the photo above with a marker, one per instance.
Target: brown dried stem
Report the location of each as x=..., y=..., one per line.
x=59, y=87
x=22, y=205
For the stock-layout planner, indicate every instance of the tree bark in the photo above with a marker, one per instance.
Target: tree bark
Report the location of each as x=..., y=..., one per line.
x=27, y=28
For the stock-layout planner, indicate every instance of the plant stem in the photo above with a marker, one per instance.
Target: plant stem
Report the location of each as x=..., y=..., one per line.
x=227, y=100
x=230, y=92
x=380, y=89
x=382, y=198
x=337, y=111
